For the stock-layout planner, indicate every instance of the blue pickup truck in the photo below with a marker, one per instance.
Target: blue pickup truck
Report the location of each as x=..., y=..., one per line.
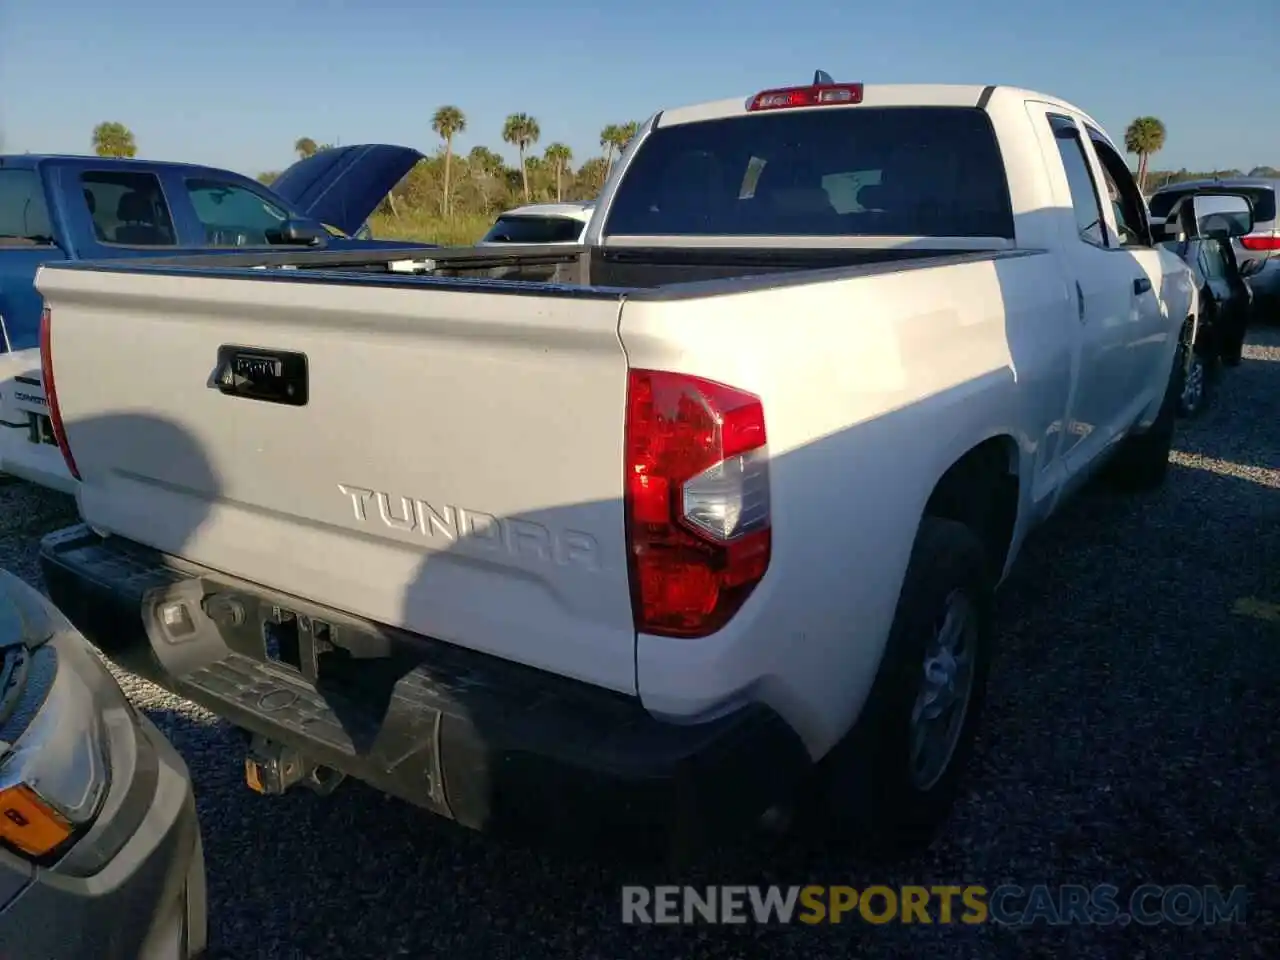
x=93, y=208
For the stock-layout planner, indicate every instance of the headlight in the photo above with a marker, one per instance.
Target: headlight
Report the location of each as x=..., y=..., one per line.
x=54, y=770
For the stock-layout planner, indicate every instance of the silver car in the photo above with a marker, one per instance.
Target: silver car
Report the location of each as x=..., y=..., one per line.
x=1258, y=252
x=100, y=849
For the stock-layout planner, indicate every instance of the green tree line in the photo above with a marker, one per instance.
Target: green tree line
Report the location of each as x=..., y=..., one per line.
x=481, y=182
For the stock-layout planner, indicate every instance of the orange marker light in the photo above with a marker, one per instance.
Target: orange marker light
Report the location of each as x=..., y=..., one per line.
x=28, y=824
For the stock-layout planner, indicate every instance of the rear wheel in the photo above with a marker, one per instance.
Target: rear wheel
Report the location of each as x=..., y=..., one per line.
x=890, y=784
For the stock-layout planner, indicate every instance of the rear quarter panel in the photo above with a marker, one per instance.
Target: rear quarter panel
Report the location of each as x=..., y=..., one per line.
x=872, y=387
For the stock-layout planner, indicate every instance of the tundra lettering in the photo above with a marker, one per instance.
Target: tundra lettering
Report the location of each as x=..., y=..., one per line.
x=519, y=536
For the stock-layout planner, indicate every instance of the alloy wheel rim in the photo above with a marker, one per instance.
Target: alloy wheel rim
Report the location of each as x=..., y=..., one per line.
x=946, y=689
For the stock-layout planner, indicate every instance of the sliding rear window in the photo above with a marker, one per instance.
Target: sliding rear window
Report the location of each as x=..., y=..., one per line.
x=849, y=171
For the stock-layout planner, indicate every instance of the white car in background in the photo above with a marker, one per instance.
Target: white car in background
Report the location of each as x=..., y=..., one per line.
x=556, y=223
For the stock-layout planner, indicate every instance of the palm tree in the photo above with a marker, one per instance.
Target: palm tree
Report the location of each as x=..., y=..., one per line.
x=521, y=130
x=626, y=133
x=112, y=139
x=482, y=160
x=614, y=139
x=447, y=122
x=1144, y=137
x=559, y=156
x=305, y=147
x=592, y=174
x=609, y=138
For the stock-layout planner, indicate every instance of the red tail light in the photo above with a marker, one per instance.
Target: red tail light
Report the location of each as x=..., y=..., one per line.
x=51, y=392
x=697, y=501
x=814, y=95
x=1261, y=243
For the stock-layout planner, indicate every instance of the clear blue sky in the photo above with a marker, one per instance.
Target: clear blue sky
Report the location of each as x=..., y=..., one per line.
x=234, y=82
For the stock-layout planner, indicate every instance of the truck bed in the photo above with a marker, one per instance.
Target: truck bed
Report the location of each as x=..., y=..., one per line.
x=439, y=448
x=577, y=270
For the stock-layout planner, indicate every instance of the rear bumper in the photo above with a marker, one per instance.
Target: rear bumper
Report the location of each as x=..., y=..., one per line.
x=491, y=744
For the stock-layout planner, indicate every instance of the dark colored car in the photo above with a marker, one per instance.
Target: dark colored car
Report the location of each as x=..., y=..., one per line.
x=95, y=208
x=100, y=849
x=1258, y=250
x=1207, y=226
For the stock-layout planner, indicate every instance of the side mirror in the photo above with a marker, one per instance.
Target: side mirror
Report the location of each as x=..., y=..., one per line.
x=1222, y=216
x=298, y=233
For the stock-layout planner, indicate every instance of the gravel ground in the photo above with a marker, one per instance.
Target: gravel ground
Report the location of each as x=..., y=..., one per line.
x=1131, y=738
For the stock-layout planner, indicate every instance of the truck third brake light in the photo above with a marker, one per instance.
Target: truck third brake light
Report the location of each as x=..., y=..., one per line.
x=813, y=95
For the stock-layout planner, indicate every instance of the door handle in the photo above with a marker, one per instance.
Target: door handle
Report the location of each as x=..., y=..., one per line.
x=1079, y=302
x=1141, y=285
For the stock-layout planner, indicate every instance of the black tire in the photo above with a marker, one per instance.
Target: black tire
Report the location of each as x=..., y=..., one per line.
x=866, y=794
x=1142, y=461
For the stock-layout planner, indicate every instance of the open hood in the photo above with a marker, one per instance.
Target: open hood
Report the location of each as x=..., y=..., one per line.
x=343, y=186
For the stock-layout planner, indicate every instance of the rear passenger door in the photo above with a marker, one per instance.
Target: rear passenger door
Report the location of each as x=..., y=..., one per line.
x=1102, y=283
x=1148, y=329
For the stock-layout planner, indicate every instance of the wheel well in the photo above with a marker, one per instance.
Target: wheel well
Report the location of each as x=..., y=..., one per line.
x=980, y=490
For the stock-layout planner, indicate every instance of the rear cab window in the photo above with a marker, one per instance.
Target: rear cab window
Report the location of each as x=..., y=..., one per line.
x=24, y=212
x=912, y=171
x=128, y=208
x=535, y=229
x=232, y=215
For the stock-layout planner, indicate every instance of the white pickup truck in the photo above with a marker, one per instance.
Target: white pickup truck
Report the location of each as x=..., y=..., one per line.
x=697, y=521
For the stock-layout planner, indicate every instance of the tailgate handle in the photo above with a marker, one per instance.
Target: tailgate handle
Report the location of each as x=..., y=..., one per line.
x=257, y=373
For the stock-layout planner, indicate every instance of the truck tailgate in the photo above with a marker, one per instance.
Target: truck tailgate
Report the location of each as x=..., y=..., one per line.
x=455, y=469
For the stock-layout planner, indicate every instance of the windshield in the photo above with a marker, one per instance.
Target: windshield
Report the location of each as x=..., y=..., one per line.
x=526, y=229
x=850, y=171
